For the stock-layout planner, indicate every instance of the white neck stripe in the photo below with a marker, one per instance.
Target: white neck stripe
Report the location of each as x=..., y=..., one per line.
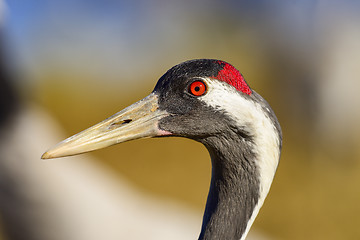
x=249, y=115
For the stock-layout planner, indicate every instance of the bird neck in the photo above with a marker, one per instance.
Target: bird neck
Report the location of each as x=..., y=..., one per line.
x=234, y=190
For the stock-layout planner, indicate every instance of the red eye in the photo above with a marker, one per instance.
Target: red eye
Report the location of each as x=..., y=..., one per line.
x=197, y=88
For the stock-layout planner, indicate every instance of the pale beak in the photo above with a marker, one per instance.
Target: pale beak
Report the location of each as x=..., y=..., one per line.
x=140, y=120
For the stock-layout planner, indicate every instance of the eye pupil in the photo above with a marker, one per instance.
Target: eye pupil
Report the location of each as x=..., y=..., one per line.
x=197, y=88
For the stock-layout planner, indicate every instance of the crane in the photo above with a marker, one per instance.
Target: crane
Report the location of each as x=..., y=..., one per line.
x=209, y=101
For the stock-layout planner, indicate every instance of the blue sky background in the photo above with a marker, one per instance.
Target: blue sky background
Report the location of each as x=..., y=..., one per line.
x=146, y=32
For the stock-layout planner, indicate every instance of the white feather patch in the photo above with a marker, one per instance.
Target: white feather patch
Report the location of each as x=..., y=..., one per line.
x=250, y=115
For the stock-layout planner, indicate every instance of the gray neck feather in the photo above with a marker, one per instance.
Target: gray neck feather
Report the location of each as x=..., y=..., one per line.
x=234, y=189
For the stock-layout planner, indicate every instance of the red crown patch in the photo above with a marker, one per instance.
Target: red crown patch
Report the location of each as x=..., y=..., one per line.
x=232, y=76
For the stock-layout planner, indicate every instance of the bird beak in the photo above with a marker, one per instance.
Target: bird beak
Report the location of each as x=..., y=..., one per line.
x=140, y=120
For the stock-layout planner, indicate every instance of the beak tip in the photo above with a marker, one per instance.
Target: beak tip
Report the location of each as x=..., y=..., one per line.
x=51, y=154
x=46, y=155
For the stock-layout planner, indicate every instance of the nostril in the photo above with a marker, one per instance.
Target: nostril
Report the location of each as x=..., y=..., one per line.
x=126, y=121
x=117, y=124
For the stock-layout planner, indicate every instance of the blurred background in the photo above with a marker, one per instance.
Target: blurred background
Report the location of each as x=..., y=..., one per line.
x=67, y=64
